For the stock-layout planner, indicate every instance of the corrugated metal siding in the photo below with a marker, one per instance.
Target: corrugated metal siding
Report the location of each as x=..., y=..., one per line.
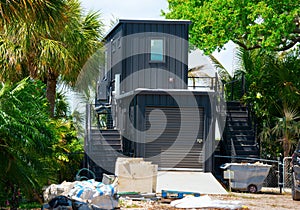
x=132, y=55
x=136, y=56
x=169, y=150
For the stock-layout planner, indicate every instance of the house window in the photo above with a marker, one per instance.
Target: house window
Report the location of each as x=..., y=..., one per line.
x=157, y=50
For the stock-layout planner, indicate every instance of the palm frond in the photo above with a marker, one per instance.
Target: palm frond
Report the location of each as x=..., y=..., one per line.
x=222, y=72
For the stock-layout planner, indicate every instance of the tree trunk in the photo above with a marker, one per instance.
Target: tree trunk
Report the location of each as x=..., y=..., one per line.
x=51, y=91
x=286, y=147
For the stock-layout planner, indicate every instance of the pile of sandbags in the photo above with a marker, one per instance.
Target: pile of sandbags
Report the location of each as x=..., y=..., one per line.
x=90, y=192
x=55, y=190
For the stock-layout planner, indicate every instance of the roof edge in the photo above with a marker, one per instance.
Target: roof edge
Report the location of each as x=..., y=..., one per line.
x=162, y=21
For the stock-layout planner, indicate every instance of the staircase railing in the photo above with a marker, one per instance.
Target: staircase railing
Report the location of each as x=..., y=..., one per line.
x=198, y=83
x=236, y=88
x=209, y=83
x=99, y=116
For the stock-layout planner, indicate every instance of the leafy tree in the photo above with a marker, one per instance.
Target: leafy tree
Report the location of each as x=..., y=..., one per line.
x=47, y=51
x=26, y=139
x=271, y=25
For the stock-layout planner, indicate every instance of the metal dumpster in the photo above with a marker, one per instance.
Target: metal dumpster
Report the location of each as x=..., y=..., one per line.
x=246, y=176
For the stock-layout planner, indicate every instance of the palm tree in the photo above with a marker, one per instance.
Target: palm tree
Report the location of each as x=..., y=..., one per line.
x=199, y=71
x=195, y=72
x=222, y=71
x=43, y=11
x=287, y=128
x=50, y=51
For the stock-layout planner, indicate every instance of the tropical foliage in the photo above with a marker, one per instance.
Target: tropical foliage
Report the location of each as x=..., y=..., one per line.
x=26, y=138
x=35, y=149
x=273, y=93
x=68, y=151
x=42, y=41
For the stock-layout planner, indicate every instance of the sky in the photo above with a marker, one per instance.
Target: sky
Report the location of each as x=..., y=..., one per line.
x=150, y=9
x=126, y=9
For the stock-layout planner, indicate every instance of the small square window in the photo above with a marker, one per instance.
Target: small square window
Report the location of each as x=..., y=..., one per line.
x=157, y=50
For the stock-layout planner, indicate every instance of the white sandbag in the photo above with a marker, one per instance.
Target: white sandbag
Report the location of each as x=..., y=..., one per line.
x=55, y=190
x=88, y=190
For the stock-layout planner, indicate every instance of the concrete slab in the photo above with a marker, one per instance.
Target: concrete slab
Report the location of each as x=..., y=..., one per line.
x=198, y=182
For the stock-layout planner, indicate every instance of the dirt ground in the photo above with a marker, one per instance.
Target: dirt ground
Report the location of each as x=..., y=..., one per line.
x=264, y=200
x=274, y=201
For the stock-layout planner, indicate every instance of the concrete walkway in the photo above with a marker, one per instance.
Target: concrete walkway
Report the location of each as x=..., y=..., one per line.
x=197, y=182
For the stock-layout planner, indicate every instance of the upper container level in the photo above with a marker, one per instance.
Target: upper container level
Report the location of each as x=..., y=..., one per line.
x=147, y=54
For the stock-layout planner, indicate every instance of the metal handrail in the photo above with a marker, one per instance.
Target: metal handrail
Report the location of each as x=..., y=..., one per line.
x=211, y=85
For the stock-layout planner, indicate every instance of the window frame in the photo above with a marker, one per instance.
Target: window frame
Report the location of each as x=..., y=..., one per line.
x=163, y=53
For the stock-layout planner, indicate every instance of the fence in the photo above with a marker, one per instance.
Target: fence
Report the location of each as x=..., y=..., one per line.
x=287, y=173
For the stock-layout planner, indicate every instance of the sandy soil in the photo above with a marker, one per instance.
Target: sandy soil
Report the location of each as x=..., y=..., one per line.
x=259, y=201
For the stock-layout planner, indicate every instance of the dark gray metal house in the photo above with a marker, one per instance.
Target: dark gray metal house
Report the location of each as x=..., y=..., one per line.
x=150, y=112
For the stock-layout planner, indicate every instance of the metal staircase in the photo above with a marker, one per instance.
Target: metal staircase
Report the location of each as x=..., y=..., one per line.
x=239, y=136
x=102, y=147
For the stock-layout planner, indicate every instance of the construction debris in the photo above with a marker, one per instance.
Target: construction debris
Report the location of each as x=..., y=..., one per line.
x=136, y=175
x=205, y=202
x=91, y=193
x=177, y=194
